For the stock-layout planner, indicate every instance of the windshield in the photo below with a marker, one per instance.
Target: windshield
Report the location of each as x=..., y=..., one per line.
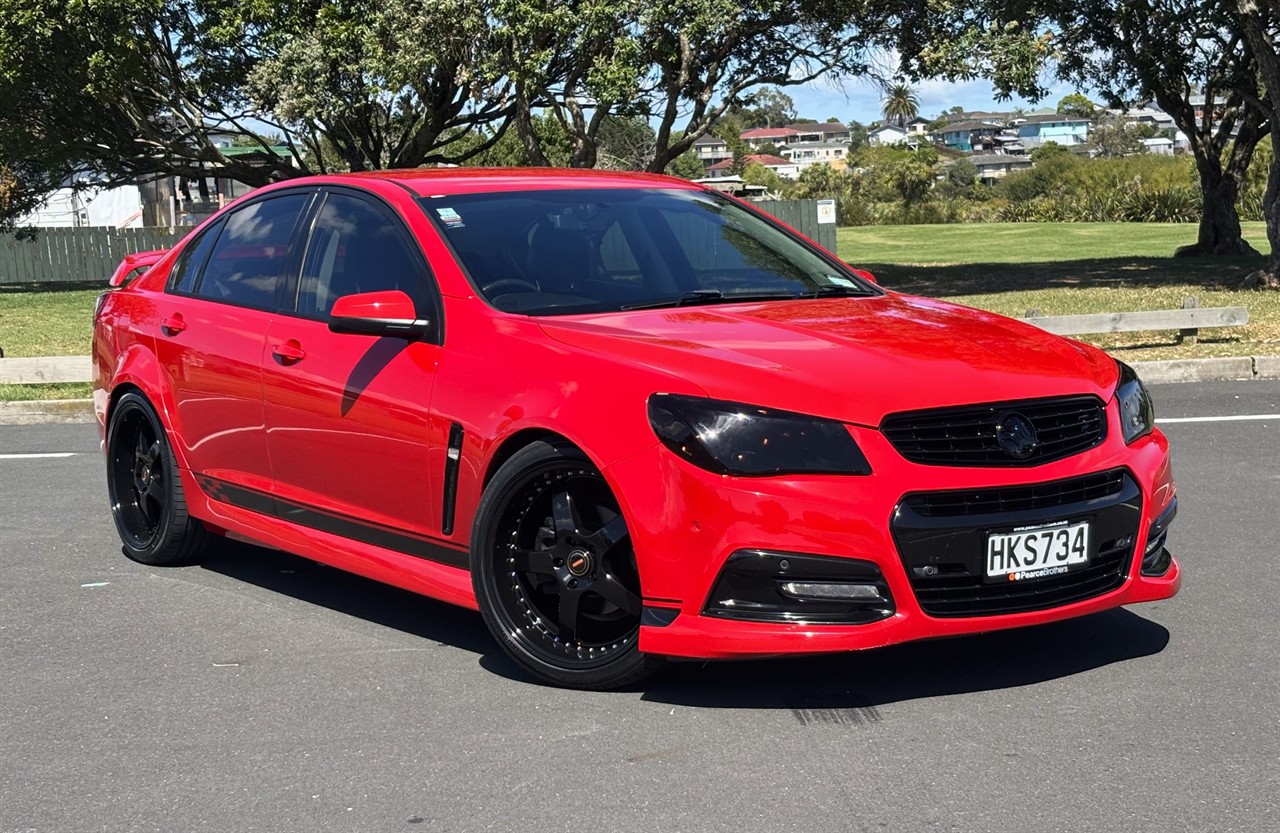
x=574, y=251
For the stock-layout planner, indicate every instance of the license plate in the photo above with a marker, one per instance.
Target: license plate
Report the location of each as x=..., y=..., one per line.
x=1037, y=551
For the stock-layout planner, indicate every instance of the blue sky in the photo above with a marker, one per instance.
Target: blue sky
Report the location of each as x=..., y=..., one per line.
x=858, y=99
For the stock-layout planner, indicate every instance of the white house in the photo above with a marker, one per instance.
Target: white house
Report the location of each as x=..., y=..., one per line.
x=824, y=153
x=887, y=134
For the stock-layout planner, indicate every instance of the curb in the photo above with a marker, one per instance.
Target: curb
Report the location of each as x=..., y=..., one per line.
x=1235, y=369
x=44, y=411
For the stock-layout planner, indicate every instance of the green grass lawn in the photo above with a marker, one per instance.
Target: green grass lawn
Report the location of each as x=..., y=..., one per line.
x=1075, y=268
x=47, y=323
x=1058, y=268
x=1021, y=242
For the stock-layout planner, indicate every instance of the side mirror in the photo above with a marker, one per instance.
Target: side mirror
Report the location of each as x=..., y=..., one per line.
x=389, y=313
x=865, y=275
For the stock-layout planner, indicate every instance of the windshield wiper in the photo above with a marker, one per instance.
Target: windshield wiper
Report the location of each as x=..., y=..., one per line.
x=710, y=296
x=835, y=290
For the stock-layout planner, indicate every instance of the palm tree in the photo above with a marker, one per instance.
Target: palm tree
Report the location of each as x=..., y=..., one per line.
x=900, y=104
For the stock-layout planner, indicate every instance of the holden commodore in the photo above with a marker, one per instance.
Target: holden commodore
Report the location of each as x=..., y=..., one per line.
x=625, y=417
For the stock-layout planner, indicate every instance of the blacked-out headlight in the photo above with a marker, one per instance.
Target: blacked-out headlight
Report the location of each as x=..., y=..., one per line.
x=732, y=438
x=1137, y=416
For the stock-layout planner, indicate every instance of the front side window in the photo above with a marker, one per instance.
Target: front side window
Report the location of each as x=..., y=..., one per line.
x=571, y=251
x=252, y=252
x=356, y=247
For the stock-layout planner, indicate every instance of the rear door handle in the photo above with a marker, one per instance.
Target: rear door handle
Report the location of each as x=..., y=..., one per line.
x=290, y=352
x=173, y=325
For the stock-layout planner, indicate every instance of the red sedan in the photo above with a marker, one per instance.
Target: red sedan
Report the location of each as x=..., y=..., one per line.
x=623, y=416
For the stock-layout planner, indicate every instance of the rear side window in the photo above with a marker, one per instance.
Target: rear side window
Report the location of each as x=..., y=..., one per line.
x=251, y=253
x=357, y=247
x=182, y=278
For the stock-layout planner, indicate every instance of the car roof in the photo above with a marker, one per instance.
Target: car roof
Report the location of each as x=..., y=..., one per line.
x=426, y=182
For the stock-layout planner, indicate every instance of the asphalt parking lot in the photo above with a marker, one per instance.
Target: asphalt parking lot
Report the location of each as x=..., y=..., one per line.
x=261, y=692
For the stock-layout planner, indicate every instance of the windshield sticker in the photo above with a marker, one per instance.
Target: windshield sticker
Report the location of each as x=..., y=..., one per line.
x=450, y=217
x=839, y=281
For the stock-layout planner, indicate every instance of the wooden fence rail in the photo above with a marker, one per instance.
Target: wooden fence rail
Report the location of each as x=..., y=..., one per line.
x=69, y=256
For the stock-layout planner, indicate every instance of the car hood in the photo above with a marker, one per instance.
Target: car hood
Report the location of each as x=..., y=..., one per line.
x=852, y=359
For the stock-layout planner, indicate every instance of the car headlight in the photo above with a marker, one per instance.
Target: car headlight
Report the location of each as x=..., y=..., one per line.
x=732, y=438
x=1137, y=416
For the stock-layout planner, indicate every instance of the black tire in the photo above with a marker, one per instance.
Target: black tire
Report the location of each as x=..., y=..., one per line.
x=554, y=571
x=147, y=502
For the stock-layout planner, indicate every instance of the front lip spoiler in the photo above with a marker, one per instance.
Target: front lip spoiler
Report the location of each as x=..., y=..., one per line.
x=704, y=637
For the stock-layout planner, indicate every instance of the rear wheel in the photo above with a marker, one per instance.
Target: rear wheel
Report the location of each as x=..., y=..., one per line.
x=555, y=573
x=147, y=501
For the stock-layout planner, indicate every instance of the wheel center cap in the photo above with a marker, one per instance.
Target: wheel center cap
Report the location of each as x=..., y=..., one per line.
x=579, y=562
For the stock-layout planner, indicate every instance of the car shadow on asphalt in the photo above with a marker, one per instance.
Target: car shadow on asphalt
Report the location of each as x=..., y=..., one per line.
x=308, y=581
x=848, y=687
x=827, y=688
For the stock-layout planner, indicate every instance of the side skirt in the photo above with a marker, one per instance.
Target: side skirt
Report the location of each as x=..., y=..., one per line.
x=374, y=552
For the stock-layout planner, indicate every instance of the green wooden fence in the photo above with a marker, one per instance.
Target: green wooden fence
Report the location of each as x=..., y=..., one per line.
x=74, y=256
x=815, y=219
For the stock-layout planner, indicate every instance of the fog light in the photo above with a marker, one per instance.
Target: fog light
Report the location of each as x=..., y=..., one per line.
x=766, y=586
x=830, y=590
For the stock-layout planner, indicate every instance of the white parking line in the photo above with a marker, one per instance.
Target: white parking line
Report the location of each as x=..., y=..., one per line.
x=1241, y=418
x=38, y=456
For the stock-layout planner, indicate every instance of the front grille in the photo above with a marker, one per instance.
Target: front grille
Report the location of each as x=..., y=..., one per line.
x=969, y=596
x=966, y=436
x=1017, y=498
x=942, y=539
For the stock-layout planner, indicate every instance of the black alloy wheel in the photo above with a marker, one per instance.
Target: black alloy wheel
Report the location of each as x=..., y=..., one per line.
x=555, y=573
x=147, y=502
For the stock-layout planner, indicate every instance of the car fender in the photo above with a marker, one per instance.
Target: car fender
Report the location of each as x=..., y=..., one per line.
x=138, y=367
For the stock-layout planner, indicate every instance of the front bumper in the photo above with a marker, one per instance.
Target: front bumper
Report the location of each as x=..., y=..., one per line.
x=687, y=524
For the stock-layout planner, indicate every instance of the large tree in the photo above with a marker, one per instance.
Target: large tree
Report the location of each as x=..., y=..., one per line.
x=1260, y=22
x=383, y=83
x=1129, y=50
x=131, y=89
x=680, y=63
x=1165, y=50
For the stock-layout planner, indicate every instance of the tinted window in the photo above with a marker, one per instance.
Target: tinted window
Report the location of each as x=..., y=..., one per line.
x=588, y=250
x=356, y=247
x=251, y=253
x=182, y=278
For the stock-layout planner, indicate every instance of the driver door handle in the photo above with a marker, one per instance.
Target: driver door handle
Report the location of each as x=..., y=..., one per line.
x=290, y=352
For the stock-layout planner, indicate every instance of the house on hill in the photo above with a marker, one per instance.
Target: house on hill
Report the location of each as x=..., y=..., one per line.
x=819, y=133
x=821, y=153
x=711, y=149
x=965, y=135
x=993, y=167
x=888, y=134
x=758, y=136
x=784, y=168
x=1067, y=131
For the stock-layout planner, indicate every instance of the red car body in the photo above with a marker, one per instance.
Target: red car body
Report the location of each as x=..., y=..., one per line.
x=373, y=455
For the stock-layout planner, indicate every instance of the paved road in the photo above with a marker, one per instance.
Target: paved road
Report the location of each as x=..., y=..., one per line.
x=264, y=693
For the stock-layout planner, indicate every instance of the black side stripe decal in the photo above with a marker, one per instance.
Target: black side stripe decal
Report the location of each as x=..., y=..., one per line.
x=346, y=527
x=451, y=463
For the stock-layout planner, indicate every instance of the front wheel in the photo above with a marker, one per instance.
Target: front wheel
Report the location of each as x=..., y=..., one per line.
x=147, y=502
x=554, y=571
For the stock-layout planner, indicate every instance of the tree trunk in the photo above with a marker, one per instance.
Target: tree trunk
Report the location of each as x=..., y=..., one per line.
x=1253, y=22
x=524, y=129
x=1219, y=232
x=1268, y=277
